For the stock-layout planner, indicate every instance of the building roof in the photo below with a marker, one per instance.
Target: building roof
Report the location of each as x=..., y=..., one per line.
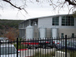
x=45, y=17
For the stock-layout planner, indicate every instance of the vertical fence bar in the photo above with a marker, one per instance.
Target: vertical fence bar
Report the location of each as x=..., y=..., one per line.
x=0, y=48
x=65, y=45
x=17, y=47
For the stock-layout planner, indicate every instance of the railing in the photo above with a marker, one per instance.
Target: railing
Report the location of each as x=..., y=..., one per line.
x=64, y=47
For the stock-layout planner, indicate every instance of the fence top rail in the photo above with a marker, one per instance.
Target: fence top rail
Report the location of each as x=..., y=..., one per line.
x=34, y=40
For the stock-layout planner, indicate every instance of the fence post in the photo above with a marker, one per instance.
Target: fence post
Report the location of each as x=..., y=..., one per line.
x=0, y=48
x=65, y=45
x=17, y=47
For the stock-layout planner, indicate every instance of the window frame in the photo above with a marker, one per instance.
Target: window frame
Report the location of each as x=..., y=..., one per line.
x=55, y=21
x=67, y=21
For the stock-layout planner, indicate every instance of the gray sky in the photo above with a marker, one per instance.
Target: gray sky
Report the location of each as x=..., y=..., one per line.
x=34, y=9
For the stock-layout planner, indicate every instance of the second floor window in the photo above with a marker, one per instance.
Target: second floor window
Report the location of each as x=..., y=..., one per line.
x=67, y=21
x=55, y=21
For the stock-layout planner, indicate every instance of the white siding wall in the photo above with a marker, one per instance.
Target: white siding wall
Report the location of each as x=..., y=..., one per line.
x=47, y=23
x=75, y=22
x=67, y=32
x=60, y=21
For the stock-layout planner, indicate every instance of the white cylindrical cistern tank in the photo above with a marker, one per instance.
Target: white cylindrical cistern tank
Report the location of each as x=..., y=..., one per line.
x=29, y=32
x=54, y=33
x=42, y=31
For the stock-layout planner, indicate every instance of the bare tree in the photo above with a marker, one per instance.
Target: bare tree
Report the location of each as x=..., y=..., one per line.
x=58, y=4
x=15, y=6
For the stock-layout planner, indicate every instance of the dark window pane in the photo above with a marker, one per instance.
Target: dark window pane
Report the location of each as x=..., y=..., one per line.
x=55, y=21
x=62, y=35
x=67, y=21
x=72, y=35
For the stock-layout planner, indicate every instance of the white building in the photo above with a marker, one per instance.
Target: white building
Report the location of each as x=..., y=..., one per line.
x=65, y=25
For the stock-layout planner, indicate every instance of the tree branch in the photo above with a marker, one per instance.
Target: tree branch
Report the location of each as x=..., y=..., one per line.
x=8, y=1
x=70, y=3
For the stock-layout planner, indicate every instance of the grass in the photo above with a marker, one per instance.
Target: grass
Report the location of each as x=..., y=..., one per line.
x=20, y=46
x=44, y=55
x=71, y=52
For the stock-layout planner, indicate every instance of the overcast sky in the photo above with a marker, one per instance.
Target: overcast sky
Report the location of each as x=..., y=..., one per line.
x=34, y=9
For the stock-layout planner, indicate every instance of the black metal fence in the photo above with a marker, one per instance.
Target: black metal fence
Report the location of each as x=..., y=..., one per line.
x=48, y=47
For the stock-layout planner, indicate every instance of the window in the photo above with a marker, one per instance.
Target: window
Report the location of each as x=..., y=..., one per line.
x=72, y=35
x=67, y=21
x=55, y=21
x=62, y=35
